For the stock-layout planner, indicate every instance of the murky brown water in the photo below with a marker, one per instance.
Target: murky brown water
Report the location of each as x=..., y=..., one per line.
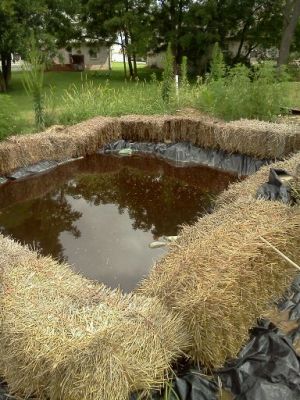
x=101, y=213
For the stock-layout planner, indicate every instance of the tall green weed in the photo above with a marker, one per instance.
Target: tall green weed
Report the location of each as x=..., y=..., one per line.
x=240, y=92
x=91, y=99
x=168, y=82
x=33, y=82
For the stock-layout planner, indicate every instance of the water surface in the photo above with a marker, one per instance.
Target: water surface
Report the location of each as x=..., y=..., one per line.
x=101, y=213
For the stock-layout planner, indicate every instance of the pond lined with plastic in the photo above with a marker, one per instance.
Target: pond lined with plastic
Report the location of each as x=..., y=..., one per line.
x=101, y=213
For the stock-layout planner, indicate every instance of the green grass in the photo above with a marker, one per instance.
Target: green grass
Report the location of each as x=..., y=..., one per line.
x=75, y=96
x=19, y=106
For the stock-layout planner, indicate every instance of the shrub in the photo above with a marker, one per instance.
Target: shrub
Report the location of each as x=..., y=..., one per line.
x=240, y=92
x=168, y=76
x=218, y=67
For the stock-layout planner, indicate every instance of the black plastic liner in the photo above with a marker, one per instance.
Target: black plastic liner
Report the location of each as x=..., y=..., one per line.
x=186, y=153
x=267, y=368
x=42, y=167
x=180, y=153
x=277, y=188
x=38, y=168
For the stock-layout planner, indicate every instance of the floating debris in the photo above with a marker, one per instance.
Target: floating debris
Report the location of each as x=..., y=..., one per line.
x=68, y=160
x=171, y=238
x=156, y=245
x=126, y=152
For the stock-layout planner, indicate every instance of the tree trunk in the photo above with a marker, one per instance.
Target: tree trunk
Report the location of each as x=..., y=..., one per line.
x=237, y=57
x=124, y=55
x=131, y=74
x=291, y=17
x=135, y=65
x=6, y=71
x=2, y=84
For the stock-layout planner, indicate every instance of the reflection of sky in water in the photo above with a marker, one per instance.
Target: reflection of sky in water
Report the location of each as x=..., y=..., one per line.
x=101, y=213
x=110, y=250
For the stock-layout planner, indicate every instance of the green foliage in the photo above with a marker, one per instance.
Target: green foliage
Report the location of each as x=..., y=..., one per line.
x=91, y=99
x=184, y=72
x=243, y=93
x=218, y=67
x=33, y=81
x=168, y=76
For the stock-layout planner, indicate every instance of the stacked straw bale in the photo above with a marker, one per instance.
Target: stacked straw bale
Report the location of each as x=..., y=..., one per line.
x=56, y=144
x=254, y=138
x=221, y=276
x=64, y=337
x=251, y=137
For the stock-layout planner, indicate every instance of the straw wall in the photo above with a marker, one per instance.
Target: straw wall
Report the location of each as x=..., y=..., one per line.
x=64, y=337
x=221, y=276
x=254, y=138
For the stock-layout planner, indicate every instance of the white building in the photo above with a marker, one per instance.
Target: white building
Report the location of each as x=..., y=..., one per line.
x=84, y=56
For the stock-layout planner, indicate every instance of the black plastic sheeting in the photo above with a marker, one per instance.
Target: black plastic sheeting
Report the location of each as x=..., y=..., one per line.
x=291, y=301
x=38, y=168
x=267, y=368
x=43, y=166
x=186, y=153
x=276, y=189
x=179, y=153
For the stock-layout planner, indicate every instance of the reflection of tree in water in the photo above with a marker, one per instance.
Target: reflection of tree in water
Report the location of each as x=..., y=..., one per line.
x=40, y=221
x=154, y=202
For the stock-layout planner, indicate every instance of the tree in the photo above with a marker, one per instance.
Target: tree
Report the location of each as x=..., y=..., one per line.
x=122, y=22
x=291, y=16
x=194, y=26
x=52, y=21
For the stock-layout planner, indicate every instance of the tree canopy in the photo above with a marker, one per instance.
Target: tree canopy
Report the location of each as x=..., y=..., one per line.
x=192, y=27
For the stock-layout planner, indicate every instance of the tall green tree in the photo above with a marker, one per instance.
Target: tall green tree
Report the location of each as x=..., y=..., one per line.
x=123, y=22
x=291, y=15
x=194, y=26
x=53, y=22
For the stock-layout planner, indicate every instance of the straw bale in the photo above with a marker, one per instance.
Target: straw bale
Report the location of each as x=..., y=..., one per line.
x=254, y=138
x=220, y=276
x=78, y=140
x=65, y=337
x=247, y=188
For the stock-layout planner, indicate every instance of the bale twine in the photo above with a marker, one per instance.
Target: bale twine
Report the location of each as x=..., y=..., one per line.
x=221, y=276
x=64, y=337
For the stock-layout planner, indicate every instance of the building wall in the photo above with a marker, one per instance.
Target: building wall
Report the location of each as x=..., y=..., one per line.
x=156, y=60
x=94, y=58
